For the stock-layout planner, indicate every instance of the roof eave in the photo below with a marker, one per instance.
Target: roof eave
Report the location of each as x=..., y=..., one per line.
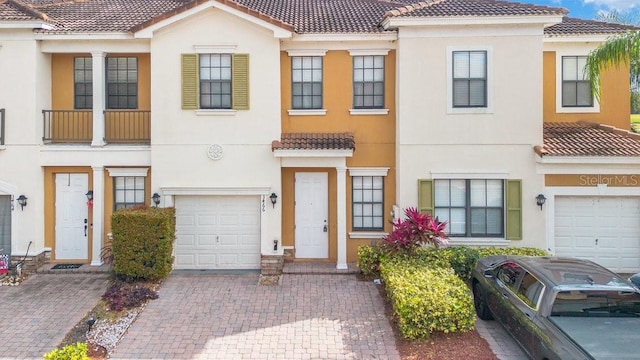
x=85, y=35
x=544, y=20
x=572, y=38
x=26, y=24
x=591, y=160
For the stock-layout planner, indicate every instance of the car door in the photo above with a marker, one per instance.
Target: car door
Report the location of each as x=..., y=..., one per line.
x=511, y=308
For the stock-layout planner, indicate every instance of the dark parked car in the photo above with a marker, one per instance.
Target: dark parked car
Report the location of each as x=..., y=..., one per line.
x=559, y=308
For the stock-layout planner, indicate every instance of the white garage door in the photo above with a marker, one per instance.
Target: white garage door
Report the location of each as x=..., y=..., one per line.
x=602, y=229
x=217, y=232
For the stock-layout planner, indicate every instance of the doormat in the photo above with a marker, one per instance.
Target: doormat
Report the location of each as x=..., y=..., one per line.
x=65, y=266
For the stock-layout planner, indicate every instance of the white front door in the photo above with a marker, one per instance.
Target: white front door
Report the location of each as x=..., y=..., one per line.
x=603, y=229
x=311, y=215
x=72, y=241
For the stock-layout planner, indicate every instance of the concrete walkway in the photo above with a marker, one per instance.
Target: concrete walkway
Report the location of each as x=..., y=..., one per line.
x=209, y=316
x=36, y=315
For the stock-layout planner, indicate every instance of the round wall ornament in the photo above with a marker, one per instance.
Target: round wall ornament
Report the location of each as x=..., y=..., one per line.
x=215, y=152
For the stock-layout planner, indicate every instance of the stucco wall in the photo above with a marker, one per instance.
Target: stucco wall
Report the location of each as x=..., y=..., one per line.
x=433, y=140
x=181, y=138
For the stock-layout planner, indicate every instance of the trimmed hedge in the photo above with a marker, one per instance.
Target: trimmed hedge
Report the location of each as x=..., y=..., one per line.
x=461, y=258
x=143, y=242
x=428, y=287
x=427, y=300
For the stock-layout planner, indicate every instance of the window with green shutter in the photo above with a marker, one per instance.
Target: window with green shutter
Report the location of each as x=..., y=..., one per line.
x=474, y=207
x=215, y=81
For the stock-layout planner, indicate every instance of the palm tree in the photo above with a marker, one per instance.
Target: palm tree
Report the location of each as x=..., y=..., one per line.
x=621, y=49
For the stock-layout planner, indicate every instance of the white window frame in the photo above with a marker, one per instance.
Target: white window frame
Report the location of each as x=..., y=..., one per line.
x=571, y=109
x=371, y=52
x=308, y=52
x=368, y=171
x=488, y=109
x=215, y=49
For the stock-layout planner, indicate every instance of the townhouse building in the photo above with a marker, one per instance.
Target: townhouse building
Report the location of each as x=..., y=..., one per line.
x=299, y=130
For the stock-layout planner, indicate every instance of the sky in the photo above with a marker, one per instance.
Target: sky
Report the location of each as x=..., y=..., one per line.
x=589, y=9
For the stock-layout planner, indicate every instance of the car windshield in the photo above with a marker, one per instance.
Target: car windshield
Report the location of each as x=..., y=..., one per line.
x=600, y=303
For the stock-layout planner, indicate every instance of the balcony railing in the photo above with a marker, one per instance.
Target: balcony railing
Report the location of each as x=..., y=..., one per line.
x=1, y=126
x=127, y=126
x=76, y=126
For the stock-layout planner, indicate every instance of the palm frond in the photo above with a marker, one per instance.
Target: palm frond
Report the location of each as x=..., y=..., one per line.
x=622, y=49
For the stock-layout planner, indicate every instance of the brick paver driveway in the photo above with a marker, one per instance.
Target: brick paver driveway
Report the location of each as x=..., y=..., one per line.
x=212, y=316
x=36, y=315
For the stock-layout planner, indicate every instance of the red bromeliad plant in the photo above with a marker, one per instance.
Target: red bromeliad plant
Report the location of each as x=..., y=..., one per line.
x=416, y=230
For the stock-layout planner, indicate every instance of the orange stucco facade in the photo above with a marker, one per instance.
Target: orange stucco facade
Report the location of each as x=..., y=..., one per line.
x=374, y=141
x=50, y=201
x=614, y=103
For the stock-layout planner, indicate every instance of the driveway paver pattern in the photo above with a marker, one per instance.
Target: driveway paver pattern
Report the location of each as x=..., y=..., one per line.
x=36, y=315
x=500, y=342
x=213, y=316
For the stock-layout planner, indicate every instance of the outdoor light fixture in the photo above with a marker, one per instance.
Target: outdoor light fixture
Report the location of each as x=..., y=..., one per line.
x=22, y=200
x=156, y=199
x=89, y=195
x=274, y=199
x=540, y=199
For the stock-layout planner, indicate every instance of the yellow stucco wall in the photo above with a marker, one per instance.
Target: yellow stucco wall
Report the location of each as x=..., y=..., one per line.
x=374, y=136
x=614, y=103
x=62, y=80
x=108, y=196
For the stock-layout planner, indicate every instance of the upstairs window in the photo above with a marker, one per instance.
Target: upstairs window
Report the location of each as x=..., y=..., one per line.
x=576, y=90
x=469, y=79
x=122, y=83
x=368, y=82
x=306, y=82
x=83, y=83
x=215, y=81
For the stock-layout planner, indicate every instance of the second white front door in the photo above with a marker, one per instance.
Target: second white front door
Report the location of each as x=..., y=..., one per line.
x=72, y=241
x=311, y=215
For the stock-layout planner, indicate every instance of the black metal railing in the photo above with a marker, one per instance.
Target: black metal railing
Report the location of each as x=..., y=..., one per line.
x=1, y=126
x=76, y=126
x=67, y=126
x=127, y=126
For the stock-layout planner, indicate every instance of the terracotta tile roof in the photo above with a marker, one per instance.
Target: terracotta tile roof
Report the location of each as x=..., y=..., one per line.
x=12, y=10
x=587, y=139
x=573, y=26
x=315, y=141
x=447, y=8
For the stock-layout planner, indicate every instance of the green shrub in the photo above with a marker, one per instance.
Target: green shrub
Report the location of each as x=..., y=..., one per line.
x=70, y=352
x=521, y=251
x=143, y=242
x=462, y=259
x=426, y=257
x=369, y=257
x=427, y=300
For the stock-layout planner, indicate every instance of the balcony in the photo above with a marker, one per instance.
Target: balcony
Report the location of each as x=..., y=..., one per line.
x=76, y=126
x=1, y=127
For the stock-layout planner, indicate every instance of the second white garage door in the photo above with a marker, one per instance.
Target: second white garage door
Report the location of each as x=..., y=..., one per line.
x=602, y=229
x=217, y=232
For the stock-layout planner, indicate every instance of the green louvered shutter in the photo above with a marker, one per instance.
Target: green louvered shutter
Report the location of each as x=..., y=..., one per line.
x=425, y=196
x=240, y=81
x=514, y=209
x=189, y=81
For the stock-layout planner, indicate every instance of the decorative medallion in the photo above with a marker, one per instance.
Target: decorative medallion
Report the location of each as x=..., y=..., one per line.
x=215, y=152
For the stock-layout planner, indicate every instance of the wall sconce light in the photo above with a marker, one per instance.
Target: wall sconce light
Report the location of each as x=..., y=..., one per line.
x=274, y=199
x=89, y=195
x=22, y=200
x=540, y=199
x=156, y=199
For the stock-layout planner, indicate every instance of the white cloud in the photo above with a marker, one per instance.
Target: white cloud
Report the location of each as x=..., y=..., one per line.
x=618, y=5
